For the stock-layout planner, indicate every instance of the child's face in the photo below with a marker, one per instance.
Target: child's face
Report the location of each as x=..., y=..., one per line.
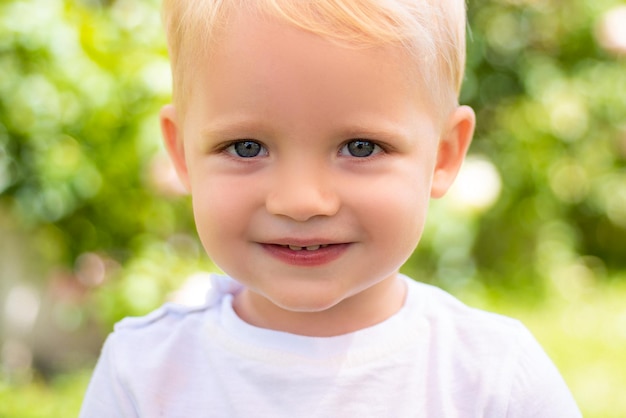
x=310, y=165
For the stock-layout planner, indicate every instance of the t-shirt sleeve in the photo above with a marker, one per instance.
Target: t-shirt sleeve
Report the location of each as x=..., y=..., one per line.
x=106, y=396
x=538, y=390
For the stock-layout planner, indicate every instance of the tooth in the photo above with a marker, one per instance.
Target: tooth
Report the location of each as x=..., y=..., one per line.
x=313, y=247
x=295, y=248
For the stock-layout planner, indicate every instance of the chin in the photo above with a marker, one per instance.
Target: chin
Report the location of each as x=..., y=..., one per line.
x=309, y=303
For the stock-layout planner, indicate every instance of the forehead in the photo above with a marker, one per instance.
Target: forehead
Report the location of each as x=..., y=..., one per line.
x=260, y=40
x=286, y=66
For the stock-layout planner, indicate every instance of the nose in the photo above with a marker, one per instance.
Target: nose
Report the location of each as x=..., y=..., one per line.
x=302, y=192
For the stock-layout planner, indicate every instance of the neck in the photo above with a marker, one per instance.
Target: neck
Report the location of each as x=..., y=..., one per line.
x=365, y=309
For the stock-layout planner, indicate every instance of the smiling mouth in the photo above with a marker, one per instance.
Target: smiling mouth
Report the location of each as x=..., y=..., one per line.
x=306, y=255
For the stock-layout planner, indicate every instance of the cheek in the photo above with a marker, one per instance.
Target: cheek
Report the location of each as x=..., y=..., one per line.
x=404, y=214
x=220, y=210
x=395, y=210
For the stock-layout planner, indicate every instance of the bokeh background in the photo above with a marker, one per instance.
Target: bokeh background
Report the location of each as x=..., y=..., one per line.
x=94, y=225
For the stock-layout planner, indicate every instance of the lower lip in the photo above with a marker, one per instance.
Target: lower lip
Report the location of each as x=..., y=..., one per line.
x=306, y=258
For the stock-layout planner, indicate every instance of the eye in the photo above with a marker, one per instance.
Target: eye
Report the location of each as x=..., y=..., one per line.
x=247, y=149
x=360, y=148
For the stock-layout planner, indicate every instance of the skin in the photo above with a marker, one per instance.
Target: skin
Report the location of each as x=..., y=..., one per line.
x=302, y=101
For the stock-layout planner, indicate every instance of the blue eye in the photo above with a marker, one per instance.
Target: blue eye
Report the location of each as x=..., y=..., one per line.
x=360, y=148
x=247, y=149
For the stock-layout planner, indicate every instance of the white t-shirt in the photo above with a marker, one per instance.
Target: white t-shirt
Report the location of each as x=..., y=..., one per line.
x=435, y=358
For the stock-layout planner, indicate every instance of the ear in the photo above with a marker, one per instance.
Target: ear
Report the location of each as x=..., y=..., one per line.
x=174, y=142
x=452, y=149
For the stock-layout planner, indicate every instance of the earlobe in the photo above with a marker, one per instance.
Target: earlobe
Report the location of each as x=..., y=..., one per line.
x=174, y=142
x=452, y=149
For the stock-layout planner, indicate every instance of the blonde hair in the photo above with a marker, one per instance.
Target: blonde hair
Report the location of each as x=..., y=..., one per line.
x=432, y=32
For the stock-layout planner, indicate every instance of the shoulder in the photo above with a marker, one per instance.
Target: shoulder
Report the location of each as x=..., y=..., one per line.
x=131, y=357
x=499, y=352
x=470, y=343
x=170, y=329
x=139, y=345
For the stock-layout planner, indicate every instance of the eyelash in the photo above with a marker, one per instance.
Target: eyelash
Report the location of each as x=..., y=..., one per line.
x=259, y=150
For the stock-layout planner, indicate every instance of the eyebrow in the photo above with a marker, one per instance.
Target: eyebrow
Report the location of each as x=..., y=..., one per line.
x=232, y=126
x=368, y=133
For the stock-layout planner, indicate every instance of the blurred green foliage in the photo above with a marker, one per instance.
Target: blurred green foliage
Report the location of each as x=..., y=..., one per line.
x=80, y=90
x=87, y=194
x=60, y=398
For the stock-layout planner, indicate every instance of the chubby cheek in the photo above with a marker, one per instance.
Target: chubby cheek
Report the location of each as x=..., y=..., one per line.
x=221, y=212
x=394, y=213
x=404, y=213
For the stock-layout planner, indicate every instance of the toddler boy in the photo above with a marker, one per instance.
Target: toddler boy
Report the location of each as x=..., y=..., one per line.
x=311, y=136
